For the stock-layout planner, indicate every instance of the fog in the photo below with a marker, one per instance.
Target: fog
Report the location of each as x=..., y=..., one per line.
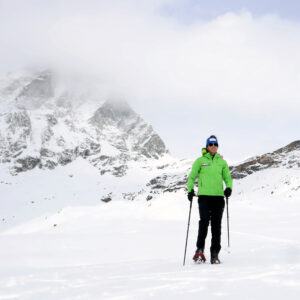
x=235, y=75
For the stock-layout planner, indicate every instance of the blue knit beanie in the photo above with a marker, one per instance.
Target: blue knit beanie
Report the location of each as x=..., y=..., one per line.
x=212, y=139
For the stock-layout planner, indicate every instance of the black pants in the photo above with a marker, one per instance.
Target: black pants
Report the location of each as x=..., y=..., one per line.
x=210, y=209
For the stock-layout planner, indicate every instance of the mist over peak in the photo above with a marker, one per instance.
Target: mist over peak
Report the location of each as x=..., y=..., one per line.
x=44, y=126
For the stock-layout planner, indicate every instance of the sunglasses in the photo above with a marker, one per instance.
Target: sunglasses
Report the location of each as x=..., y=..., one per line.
x=213, y=144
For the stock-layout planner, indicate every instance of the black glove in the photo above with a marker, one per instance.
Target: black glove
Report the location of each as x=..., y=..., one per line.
x=227, y=192
x=191, y=194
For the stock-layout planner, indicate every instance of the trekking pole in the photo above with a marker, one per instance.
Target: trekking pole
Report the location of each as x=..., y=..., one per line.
x=227, y=221
x=187, y=233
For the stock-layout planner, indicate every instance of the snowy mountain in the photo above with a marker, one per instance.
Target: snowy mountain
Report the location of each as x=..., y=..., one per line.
x=44, y=126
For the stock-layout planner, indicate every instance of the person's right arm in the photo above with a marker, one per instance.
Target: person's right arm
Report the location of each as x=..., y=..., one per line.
x=194, y=174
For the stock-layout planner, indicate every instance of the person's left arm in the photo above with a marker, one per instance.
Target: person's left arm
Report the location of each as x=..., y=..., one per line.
x=227, y=176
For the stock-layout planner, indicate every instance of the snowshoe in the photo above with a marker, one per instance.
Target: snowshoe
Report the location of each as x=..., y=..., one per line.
x=199, y=256
x=214, y=259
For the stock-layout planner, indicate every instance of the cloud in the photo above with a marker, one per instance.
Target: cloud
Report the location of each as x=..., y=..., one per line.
x=234, y=59
x=248, y=66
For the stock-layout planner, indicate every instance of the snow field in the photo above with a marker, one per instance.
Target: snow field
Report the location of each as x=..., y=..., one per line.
x=74, y=246
x=134, y=250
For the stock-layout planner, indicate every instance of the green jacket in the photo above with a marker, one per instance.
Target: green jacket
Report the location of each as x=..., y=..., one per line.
x=211, y=173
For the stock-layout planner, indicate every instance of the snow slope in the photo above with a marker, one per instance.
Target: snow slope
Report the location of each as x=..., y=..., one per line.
x=75, y=246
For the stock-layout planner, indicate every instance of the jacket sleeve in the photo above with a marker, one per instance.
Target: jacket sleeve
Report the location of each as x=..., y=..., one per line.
x=194, y=174
x=227, y=176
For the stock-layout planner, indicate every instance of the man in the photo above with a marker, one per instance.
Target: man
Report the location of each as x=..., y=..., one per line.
x=211, y=170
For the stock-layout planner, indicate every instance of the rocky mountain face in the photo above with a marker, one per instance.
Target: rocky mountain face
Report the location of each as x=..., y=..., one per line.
x=286, y=157
x=42, y=126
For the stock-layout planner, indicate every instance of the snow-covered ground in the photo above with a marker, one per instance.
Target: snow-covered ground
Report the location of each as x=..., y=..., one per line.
x=59, y=241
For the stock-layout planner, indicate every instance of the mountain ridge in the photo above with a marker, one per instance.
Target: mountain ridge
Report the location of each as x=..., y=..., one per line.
x=41, y=128
x=287, y=157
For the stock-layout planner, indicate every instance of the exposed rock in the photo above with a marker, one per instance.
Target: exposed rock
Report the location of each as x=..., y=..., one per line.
x=26, y=164
x=168, y=182
x=116, y=113
x=107, y=198
x=34, y=94
x=51, y=120
x=134, y=133
x=288, y=157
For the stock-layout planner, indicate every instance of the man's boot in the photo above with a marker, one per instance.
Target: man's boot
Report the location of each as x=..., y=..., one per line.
x=199, y=256
x=214, y=259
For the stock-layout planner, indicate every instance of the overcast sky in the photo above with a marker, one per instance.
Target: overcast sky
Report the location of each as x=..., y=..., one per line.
x=190, y=68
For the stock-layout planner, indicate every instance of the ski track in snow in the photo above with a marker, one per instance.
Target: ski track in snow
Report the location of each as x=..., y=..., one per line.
x=154, y=279
x=141, y=258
